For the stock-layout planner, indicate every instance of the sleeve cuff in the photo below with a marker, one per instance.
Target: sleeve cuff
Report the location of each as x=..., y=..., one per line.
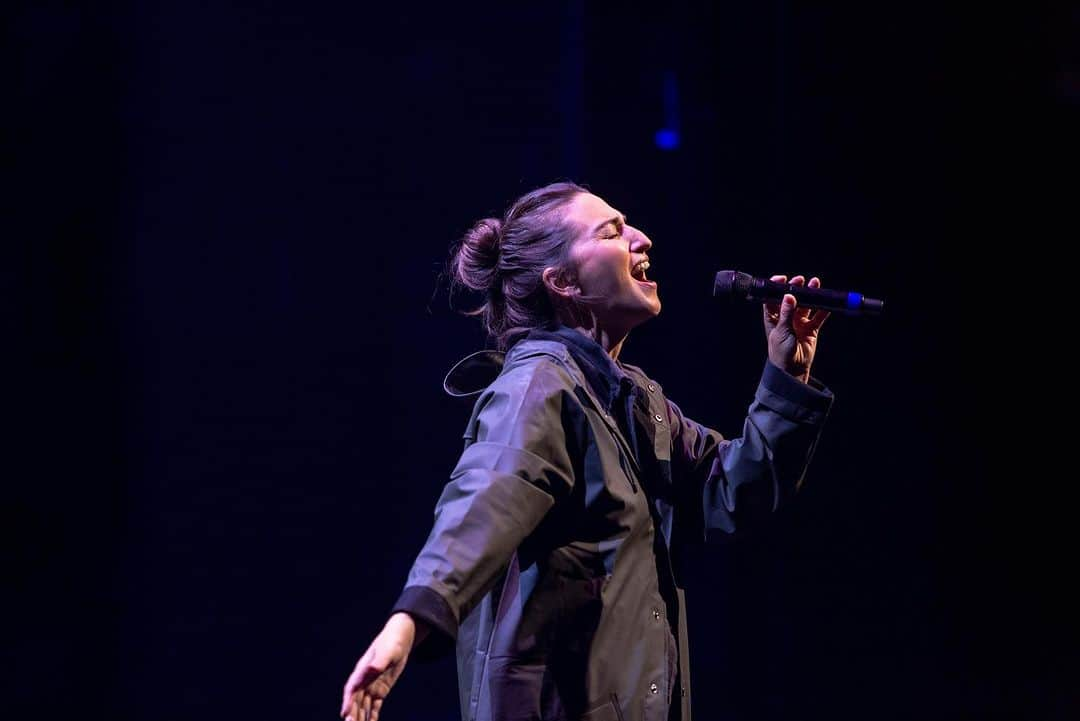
x=802, y=402
x=428, y=606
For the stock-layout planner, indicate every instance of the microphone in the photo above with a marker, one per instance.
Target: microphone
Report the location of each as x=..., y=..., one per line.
x=742, y=286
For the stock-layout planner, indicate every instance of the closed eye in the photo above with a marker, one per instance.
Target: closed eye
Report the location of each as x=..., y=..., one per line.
x=615, y=230
x=615, y=225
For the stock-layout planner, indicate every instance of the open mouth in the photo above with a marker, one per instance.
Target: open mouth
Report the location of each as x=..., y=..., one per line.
x=637, y=272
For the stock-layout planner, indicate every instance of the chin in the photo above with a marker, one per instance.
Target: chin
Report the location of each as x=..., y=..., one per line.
x=648, y=313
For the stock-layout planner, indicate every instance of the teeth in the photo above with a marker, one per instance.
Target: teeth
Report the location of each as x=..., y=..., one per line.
x=640, y=267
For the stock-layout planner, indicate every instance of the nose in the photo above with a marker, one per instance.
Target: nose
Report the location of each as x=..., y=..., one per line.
x=639, y=242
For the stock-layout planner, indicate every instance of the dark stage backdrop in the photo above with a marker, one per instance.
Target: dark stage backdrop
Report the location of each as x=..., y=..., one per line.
x=228, y=222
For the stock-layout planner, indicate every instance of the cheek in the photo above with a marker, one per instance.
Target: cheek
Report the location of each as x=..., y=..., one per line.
x=603, y=269
x=599, y=280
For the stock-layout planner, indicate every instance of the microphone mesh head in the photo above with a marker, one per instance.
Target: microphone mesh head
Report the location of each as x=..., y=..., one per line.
x=731, y=284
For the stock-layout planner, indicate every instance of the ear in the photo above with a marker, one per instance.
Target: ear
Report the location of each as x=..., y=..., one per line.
x=558, y=284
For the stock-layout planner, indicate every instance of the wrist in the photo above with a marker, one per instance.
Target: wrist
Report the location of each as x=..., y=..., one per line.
x=799, y=372
x=413, y=629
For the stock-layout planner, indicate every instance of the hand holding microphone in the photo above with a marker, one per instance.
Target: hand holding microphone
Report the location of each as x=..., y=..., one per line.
x=791, y=327
x=792, y=334
x=733, y=284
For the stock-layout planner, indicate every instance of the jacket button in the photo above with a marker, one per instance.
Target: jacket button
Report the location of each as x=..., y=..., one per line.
x=653, y=688
x=659, y=418
x=683, y=690
x=651, y=388
x=656, y=614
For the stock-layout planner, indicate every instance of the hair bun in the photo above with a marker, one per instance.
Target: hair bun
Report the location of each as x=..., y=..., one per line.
x=476, y=260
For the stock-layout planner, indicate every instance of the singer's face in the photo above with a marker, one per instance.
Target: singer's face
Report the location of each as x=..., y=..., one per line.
x=607, y=258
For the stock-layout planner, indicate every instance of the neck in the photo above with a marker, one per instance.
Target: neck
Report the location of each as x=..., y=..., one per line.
x=610, y=341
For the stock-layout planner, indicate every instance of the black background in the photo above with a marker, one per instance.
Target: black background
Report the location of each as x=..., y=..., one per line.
x=228, y=334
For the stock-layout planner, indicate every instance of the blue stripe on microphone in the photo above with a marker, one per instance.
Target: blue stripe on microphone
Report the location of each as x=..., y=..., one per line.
x=854, y=301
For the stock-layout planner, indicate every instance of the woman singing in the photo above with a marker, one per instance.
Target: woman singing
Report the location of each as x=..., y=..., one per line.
x=555, y=562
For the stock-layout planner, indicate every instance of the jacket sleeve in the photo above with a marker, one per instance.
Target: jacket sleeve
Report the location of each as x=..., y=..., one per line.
x=514, y=467
x=739, y=480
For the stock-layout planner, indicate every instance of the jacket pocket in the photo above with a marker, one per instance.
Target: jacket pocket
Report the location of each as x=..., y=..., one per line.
x=608, y=712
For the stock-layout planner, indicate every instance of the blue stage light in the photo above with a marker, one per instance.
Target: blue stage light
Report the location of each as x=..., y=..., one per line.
x=667, y=139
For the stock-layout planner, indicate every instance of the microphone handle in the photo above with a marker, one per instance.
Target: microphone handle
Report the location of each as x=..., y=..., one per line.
x=839, y=301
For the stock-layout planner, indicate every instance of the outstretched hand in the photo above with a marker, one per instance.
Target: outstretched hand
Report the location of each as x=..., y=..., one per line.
x=378, y=669
x=792, y=332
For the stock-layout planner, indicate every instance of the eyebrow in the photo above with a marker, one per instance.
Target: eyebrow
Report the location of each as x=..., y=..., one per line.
x=617, y=219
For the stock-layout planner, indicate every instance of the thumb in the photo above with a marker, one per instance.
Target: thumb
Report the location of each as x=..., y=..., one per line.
x=364, y=673
x=787, y=309
x=373, y=670
x=375, y=667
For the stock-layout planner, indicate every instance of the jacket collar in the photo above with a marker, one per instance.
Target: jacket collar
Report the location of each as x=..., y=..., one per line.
x=604, y=376
x=476, y=371
x=602, y=373
x=473, y=373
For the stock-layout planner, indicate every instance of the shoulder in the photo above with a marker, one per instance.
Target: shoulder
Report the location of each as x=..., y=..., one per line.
x=526, y=403
x=641, y=378
x=535, y=378
x=538, y=384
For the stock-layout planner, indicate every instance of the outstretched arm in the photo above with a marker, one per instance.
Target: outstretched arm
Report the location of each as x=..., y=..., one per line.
x=514, y=467
x=379, y=667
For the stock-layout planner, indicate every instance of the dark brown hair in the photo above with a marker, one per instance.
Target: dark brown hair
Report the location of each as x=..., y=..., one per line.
x=504, y=258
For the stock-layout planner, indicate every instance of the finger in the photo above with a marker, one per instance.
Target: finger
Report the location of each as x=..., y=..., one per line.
x=376, y=706
x=818, y=320
x=803, y=314
x=787, y=309
x=346, y=694
x=771, y=311
x=347, y=699
x=354, y=713
x=350, y=713
x=361, y=676
x=365, y=706
x=769, y=317
x=774, y=308
x=819, y=315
